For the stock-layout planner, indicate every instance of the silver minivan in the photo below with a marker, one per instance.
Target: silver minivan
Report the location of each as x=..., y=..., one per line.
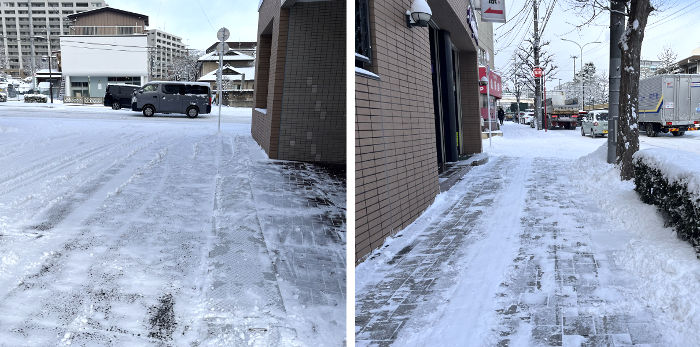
x=595, y=123
x=190, y=98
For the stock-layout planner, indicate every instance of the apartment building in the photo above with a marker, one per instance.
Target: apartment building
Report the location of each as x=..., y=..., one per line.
x=24, y=20
x=164, y=50
x=300, y=79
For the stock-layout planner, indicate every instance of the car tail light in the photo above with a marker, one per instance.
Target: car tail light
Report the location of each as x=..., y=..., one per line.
x=669, y=123
x=574, y=116
x=696, y=122
x=209, y=100
x=554, y=116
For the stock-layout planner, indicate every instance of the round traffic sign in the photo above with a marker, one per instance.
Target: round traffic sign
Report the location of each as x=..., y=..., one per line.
x=223, y=34
x=222, y=47
x=537, y=72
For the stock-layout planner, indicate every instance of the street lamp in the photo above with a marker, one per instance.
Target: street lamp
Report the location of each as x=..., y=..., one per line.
x=50, y=56
x=583, y=91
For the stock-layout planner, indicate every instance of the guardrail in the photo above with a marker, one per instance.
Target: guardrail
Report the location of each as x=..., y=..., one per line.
x=82, y=100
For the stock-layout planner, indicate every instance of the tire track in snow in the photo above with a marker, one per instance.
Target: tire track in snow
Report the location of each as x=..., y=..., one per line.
x=25, y=148
x=60, y=311
x=52, y=165
x=60, y=199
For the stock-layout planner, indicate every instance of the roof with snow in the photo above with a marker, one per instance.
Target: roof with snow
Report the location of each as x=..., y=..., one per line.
x=231, y=73
x=238, y=46
x=229, y=56
x=108, y=9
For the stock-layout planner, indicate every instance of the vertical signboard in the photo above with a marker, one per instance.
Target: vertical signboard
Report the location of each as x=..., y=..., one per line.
x=493, y=11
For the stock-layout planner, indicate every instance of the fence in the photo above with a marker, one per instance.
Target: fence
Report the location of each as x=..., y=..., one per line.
x=82, y=100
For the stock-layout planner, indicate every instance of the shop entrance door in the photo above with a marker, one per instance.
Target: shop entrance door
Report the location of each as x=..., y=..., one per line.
x=445, y=75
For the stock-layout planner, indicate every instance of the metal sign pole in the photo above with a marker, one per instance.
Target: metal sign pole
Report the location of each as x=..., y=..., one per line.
x=218, y=85
x=223, y=35
x=488, y=98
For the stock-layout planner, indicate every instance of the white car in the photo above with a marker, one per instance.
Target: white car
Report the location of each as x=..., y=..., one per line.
x=595, y=123
x=527, y=118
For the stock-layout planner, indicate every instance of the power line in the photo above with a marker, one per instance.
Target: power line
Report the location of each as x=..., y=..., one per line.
x=205, y=14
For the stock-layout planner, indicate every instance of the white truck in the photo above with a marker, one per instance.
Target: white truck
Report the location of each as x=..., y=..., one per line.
x=669, y=103
x=561, y=112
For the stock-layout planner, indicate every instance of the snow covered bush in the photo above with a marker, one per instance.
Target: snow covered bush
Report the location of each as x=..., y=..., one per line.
x=671, y=181
x=35, y=98
x=3, y=97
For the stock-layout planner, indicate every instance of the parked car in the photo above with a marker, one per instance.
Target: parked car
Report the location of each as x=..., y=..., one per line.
x=190, y=98
x=595, y=123
x=527, y=118
x=119, y=95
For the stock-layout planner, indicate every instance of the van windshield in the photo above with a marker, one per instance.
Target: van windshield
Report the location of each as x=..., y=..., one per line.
x=602, y=116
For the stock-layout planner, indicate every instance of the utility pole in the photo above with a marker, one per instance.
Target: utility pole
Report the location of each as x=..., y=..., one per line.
x=536, y=49
x=31, y=40
x=617, y=28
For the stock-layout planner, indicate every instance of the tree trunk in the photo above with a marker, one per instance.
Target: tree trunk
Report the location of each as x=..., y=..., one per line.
x=631, y=46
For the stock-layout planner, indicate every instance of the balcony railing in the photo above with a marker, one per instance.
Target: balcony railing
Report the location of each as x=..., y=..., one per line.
x=106, y=30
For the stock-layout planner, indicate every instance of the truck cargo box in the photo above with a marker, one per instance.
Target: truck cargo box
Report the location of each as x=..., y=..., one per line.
x=669, y=103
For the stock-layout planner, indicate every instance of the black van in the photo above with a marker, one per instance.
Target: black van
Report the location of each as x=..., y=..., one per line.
x=119, y=95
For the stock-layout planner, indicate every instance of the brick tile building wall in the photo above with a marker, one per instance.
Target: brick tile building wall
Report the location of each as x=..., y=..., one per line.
x=312, y=124
x=469, y=81
x=395, y=141
x=396, y=160
x=273, y=23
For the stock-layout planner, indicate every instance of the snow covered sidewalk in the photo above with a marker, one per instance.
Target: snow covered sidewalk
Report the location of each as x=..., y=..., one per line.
x=536, y=247
x=132, y=231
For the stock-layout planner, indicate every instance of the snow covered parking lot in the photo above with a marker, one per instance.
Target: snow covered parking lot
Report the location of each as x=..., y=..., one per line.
x=117, y=229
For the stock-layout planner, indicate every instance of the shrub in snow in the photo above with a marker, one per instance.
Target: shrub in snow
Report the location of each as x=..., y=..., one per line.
x=674, y=189
x=3, y=97
x=35, y=98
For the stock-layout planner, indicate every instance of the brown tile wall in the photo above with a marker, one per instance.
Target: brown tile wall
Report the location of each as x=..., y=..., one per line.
x=265, y=127
x=469, y=97
x=396, y=160
x=312, y=124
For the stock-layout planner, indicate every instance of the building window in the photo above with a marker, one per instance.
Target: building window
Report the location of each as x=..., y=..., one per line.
x=80, y=89
x=125, y=30
x=125, y=80
x=363, y=46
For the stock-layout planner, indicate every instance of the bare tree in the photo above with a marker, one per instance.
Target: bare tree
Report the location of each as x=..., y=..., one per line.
x=525, y=63
x=637, y=13
x=184, y=67
x=27, y=67
x=668, y=60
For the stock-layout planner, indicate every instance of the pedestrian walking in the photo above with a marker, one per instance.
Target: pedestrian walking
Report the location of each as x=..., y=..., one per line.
x=501, y=115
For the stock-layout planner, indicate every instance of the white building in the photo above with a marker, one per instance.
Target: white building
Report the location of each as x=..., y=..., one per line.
x=22, y=20
x=89, y=63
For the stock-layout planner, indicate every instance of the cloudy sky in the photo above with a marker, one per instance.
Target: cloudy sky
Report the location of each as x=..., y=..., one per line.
x=675, y=24
x=197, y=21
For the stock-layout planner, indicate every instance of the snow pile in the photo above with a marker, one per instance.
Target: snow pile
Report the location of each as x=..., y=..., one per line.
x=653, y=253
x=676, y=165
x=29, y=98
